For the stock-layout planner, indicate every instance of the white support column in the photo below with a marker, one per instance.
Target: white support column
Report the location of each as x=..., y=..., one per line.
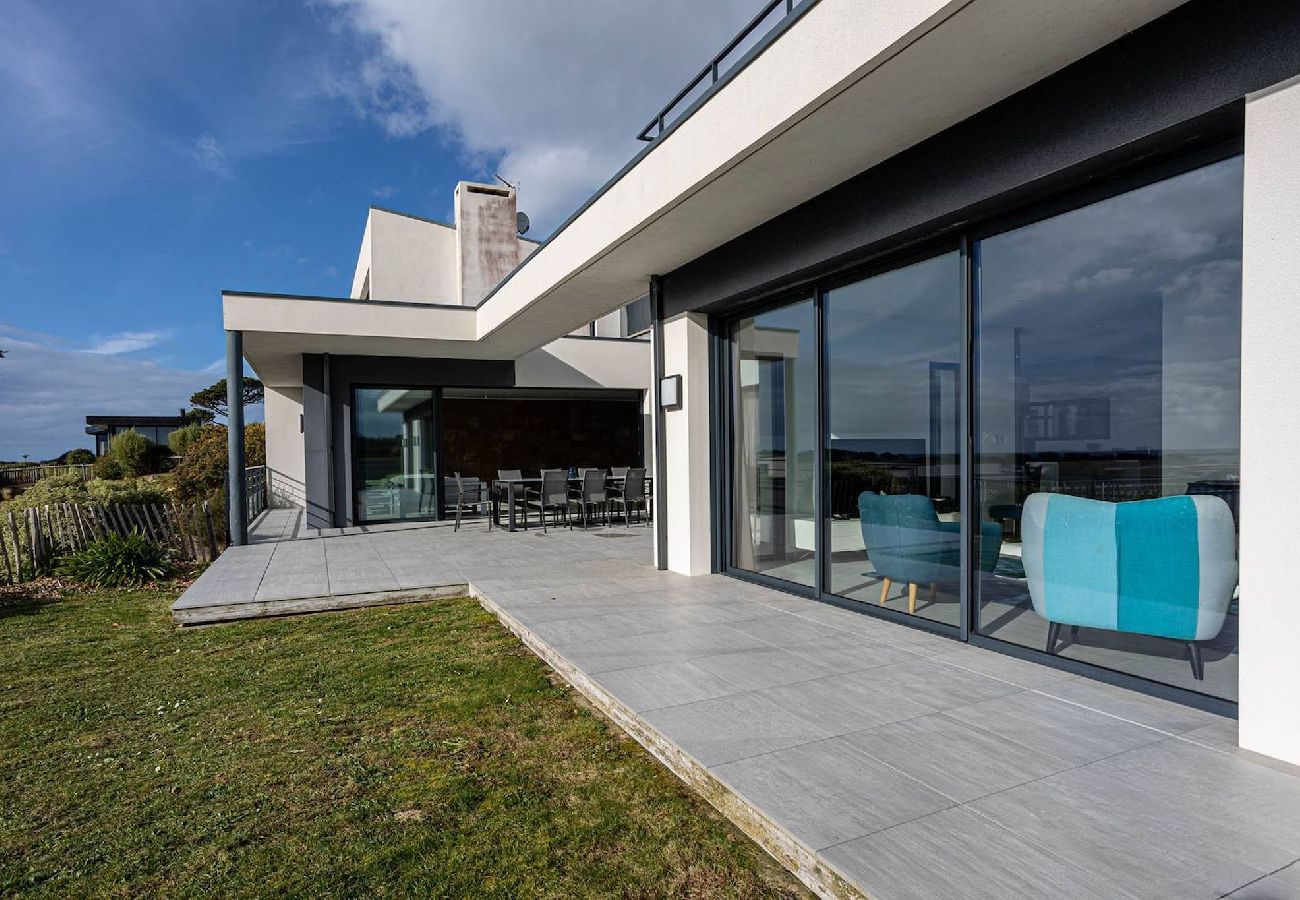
x=1270, y=427
x=686, y=445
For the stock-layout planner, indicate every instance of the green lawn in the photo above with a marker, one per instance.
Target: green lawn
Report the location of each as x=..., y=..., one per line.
x=406, y=751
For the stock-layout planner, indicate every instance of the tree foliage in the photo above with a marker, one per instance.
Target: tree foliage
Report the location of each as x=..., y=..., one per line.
x=202, y=473
x=135, y=453
x=184, y=437
x=78, y=457
x=212, y=400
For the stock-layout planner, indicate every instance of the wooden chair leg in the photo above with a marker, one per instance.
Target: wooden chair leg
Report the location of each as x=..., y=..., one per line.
x=911, y=598
x=884, y=591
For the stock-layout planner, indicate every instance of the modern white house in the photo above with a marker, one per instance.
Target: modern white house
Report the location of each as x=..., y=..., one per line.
x=374, y=400
x=976, y=315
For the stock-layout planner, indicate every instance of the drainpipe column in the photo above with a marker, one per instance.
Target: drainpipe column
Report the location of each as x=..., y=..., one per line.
x=237, y=500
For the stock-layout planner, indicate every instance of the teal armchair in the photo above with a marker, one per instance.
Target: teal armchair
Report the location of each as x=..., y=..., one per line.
x=1164, y=567
x=907, y=543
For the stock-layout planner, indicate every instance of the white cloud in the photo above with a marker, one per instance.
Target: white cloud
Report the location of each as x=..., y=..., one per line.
x=216, y=367
x=549, y=95
x=47, y=390
x=209, y=155
x=128, y=342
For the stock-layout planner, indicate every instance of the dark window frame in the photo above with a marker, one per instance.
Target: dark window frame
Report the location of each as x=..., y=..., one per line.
x=1138, y=173
x=436, y=394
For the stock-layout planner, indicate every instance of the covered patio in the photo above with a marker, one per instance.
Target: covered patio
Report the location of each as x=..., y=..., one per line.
x=868, y=757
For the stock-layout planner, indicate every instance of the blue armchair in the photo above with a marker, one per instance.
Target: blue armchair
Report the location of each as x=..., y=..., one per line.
x=907, y=543
x=1165, y=567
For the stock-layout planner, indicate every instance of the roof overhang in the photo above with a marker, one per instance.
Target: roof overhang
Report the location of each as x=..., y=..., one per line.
x=847, y=86
x=278, y=329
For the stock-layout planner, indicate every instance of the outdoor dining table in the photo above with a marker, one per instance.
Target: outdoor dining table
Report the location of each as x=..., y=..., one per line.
x=514, y=486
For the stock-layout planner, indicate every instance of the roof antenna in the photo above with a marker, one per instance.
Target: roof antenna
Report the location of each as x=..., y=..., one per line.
x=513, y=187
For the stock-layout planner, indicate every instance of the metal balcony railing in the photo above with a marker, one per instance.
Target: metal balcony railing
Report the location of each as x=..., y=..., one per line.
x=716, y=68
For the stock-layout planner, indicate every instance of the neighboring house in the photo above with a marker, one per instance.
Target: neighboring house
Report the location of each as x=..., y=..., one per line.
x=910, y=264
x=373, y=400
x=155, y=428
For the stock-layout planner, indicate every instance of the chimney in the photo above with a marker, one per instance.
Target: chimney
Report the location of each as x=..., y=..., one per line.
x=487, y=246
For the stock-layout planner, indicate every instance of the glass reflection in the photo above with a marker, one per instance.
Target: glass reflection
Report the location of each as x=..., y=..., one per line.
x=393, y=454
x=893, y=347
x=1108, y=372
x=774, y=438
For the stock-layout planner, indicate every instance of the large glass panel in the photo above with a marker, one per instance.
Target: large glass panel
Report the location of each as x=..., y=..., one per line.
x=393, y=454
x=1107, y=431
x=774, y=436
x=893, y=350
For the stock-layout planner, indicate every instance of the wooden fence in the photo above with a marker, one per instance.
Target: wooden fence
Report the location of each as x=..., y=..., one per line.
x=31, y=539
x=23, y=475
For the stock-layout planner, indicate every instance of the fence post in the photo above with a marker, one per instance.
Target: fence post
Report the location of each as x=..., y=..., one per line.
x=212, y=535
x=4, y=556
x=36, y=539
x=18, y=548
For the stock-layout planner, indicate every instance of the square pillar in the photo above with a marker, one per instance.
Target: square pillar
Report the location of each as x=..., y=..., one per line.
x=1270, y=427
x=688, y=489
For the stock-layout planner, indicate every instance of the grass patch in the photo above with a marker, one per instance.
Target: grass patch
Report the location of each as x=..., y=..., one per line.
x=401, y=751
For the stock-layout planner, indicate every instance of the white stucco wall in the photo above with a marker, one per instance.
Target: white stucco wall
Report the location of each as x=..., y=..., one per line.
x=285, y=459
x=411, y=259
x=586, y=363
x=1270, y=428
x=361, y=274
x=686, y=446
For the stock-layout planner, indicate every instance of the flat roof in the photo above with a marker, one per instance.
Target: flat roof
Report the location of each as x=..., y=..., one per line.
x=135, y=420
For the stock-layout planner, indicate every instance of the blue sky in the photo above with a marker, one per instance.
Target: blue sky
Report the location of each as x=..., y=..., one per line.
x=155, y=153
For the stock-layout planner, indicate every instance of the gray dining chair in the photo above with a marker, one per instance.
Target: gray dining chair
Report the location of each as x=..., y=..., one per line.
x=552, y=497
x=501, y=493
x=618, y=471
x=466, y=495
x=590, y=495
x=631, y=494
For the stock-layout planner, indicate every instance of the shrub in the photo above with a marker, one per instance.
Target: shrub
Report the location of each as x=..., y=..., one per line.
x=108, y=468
x=117, y=561
x=203, y=470
x=134, y=452
x=79, y=457
x=53, y=489
x=133, y=491
x=184, y=437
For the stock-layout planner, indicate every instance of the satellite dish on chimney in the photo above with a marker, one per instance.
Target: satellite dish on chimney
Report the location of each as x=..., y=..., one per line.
x=521, y=222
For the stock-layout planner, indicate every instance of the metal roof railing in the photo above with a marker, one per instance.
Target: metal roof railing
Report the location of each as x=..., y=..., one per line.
x=714, y=70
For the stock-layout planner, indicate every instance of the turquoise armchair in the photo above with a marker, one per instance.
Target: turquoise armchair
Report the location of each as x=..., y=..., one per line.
x=1165, y=567
x=907, y=543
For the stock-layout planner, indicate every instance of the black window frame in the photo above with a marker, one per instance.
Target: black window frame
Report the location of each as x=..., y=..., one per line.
x=353, y=460
x=1108, y=183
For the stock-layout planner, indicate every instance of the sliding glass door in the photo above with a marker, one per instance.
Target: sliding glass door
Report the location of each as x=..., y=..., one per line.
x=893, y=351
x=394, y=454
x=1074, y=490
x=774, y=443
x=1108, y=413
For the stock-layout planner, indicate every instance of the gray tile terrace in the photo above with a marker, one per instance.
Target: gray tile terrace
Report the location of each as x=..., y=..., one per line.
x=862, y=753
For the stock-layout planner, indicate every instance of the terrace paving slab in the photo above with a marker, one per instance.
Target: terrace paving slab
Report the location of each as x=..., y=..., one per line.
x=872, y=758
